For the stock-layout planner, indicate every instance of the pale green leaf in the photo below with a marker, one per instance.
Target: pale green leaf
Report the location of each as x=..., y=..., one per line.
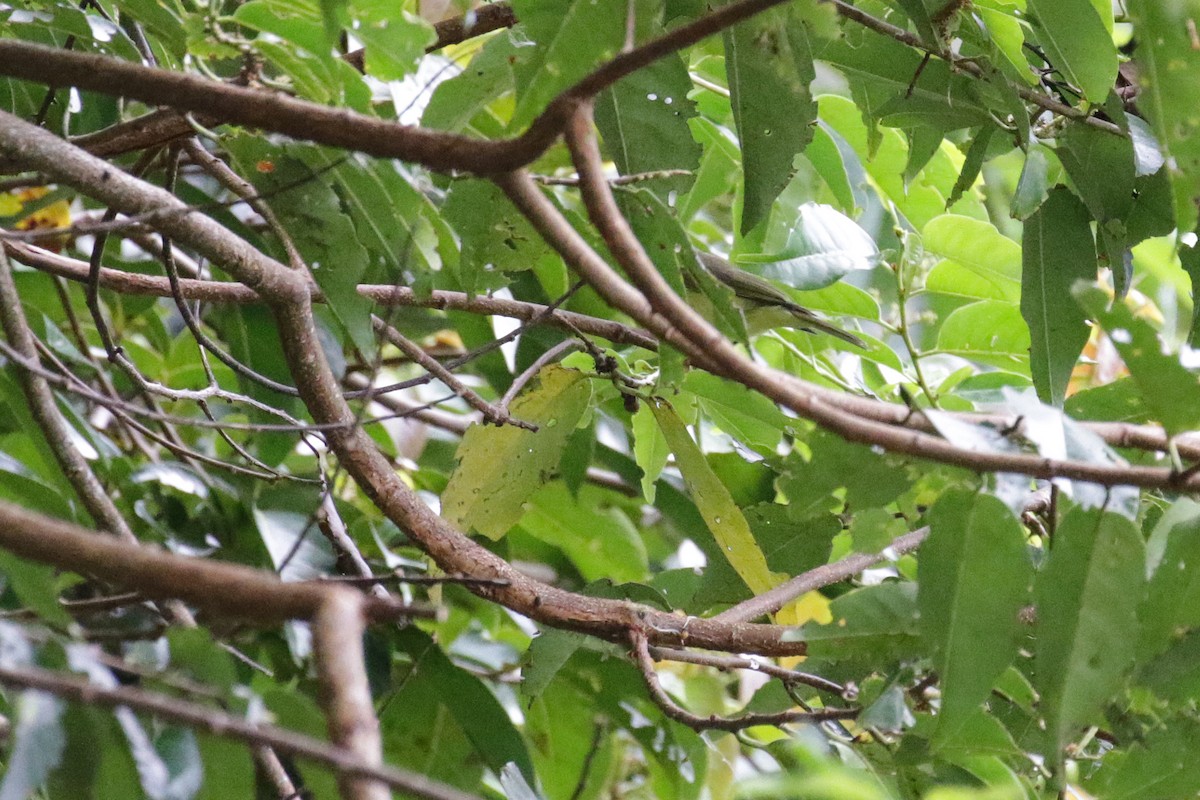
x=978, y=246
x=714, y=502
x=990, y=332
x=500, y=467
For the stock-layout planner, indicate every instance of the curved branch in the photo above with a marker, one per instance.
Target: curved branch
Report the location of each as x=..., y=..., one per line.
x=220, y=723
x=664, y=313
x=289, y=296
x=645, y=664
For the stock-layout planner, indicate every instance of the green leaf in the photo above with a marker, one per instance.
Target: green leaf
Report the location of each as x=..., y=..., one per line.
x=976, y=153
x=494, y=235
x=644, y=122
x=743, y=414
x=1163, y=764
x=769, y=66
x=1033, y=187
x=650, y=449
x=822, y=247
x=1172, y=601
x=36, y=587
x=874, y=621
x=298, y=550
x=990, y=332
x=308, y=207
x=565, y=727
x=1077, y=42
x=978, y=246
x=456, y=102
x=1057, y=249
x=500, y=467
x=1101, y=167
x=974, y=578
x=600, y=541
x=1171, y=392
x=395, y=39
x=1169, y=74
x=831, y=464
x=1087, y=618
x=570, y=38
x=714, y=502
x=475, y=709
x=718, y=167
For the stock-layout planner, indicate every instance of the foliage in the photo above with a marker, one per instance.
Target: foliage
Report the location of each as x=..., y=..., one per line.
x=997, y=197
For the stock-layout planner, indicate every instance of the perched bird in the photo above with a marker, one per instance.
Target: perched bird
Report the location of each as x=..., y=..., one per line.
x=766, y=305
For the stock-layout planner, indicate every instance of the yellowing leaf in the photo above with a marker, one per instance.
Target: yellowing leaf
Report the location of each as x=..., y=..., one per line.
x=499, y=468
x=714, y=502
x=809, y=607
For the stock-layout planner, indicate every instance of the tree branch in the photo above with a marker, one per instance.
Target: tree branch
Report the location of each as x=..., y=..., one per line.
x=208, y=291
x=219, y=723
x=774, y=599
x=227, y=590
x=288, y=294
x=345, y=692
x=645, y=664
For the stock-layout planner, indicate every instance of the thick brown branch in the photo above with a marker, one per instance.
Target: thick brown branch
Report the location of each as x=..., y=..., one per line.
x=227, y=590
x=271, y=111
x=345, y=691
x=289, y=296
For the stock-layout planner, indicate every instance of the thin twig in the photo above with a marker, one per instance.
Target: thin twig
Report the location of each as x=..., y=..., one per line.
x=731, y=663
x=494, y=414
x=549, y=357
x=645, y=664
x=774, y=599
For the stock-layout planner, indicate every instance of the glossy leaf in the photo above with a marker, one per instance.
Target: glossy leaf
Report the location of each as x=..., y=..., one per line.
x=822, y=247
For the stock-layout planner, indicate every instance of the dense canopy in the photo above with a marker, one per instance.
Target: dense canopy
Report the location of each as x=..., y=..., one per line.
x=578, y=399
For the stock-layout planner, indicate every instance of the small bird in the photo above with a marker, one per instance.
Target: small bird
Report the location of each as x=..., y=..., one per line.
x=766, y=305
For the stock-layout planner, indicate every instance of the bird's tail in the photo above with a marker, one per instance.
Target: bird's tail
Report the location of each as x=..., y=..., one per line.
x=813, y=324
